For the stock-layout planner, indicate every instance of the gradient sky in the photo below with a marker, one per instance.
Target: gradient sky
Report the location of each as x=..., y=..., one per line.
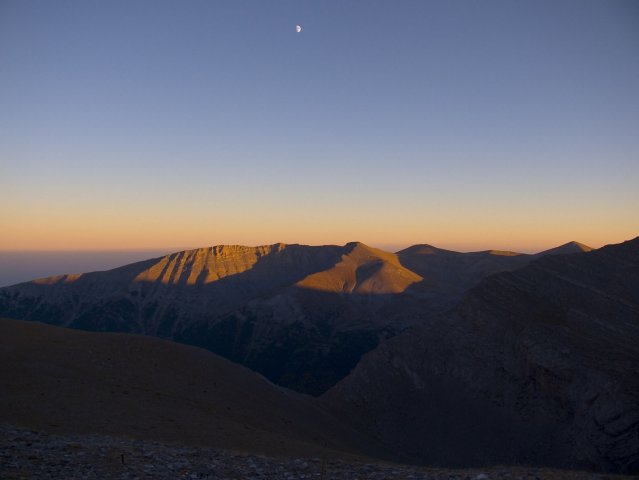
x=465, y=124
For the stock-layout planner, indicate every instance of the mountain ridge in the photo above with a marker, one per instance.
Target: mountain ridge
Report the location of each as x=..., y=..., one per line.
x=229, y=250
x=301, y=315
x=535, y=365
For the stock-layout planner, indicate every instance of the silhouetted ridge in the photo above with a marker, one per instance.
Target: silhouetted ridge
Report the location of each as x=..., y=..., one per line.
x=425, y=249
x=567, y=248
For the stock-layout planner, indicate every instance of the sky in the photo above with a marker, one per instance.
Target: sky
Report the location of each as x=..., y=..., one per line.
x=157, y=125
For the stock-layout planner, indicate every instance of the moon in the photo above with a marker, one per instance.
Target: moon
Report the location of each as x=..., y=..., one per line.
x=298, y=28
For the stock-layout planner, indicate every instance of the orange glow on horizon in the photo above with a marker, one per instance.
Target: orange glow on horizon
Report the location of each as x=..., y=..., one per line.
x=171, y=228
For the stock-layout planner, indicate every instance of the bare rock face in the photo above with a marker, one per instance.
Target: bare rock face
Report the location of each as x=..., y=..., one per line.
x=537, y=366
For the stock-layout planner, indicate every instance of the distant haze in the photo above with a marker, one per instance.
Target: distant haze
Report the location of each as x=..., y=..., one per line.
x=21, y=266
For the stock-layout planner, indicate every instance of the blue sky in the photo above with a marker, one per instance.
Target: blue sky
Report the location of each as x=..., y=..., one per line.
x=467, y=124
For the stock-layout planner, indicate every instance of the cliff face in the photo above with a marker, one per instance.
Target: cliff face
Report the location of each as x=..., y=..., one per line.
x=539, y=365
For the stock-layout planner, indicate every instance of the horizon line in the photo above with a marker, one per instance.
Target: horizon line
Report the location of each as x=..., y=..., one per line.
x=396, y=247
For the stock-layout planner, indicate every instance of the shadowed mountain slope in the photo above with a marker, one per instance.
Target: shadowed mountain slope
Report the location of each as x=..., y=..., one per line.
x=539, y=365
x=450, y=273
x=68, y=381
x=300, y=315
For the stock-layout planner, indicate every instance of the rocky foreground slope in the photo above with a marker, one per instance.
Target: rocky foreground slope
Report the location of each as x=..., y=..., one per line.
x=119, y=406
x=300, y=315
x=27, y=454
x=536, y=366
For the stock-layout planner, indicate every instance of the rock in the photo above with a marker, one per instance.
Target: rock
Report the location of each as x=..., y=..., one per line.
x=534, y=366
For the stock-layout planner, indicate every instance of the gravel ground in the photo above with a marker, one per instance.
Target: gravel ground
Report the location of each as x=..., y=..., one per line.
x=28, y=454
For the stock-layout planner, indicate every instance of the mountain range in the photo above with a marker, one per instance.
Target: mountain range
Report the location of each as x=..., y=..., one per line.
x=424, y=356
x=300, y=315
